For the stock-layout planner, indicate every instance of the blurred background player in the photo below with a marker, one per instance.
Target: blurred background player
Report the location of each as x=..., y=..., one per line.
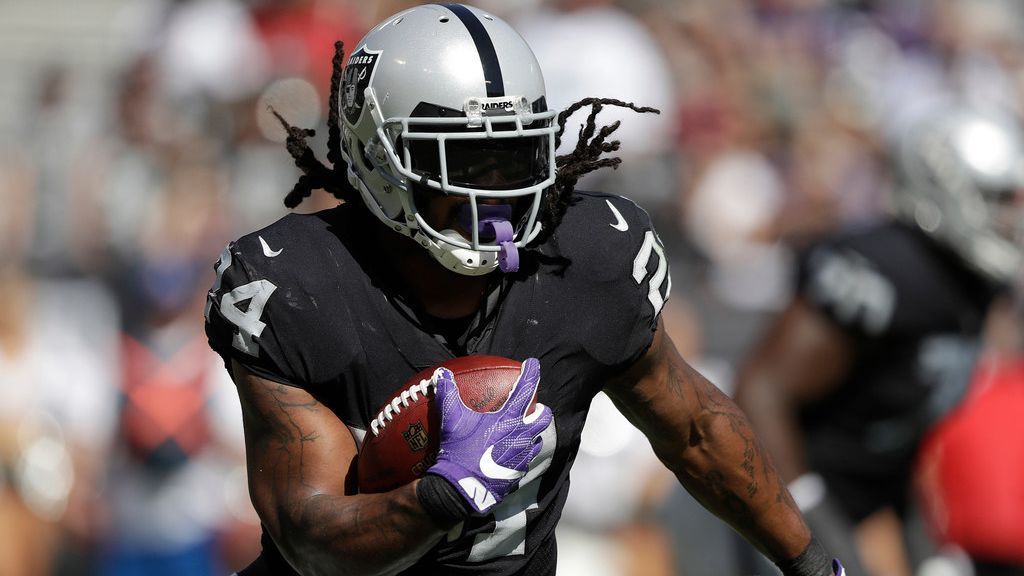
x=882, y=336
x=969, y=486
x=175, y=478
x=58, y=366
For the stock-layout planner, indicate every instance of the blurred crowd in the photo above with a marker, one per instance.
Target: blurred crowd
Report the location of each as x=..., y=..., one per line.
x=136, y=140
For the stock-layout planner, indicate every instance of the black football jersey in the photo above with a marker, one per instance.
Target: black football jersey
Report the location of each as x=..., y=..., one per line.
x=298, y=303
x=912, y=313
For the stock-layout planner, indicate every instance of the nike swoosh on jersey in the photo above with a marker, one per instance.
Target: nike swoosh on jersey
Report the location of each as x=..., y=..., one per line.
x=492, y=469
x=266, y=249
x=620, y=222
x=482, y=497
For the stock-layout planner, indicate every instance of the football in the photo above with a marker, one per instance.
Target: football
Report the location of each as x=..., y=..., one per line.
x=403, y=438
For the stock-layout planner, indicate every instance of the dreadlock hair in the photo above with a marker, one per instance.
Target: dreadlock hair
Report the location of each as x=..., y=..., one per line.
x=315, y=174
x=586, y=157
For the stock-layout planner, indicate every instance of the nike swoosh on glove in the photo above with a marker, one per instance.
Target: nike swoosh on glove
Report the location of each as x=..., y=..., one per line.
x=484, y=454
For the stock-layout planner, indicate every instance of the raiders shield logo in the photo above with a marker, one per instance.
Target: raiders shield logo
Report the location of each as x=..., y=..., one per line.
x=356, y=78
x=415, y=437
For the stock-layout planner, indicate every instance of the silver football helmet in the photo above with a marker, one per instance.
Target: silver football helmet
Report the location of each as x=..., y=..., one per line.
x=961, y=174
x=448, y=99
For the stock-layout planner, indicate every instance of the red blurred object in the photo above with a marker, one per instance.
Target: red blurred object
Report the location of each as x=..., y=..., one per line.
x=970, y=470
x=164, y=415
x=300, y=36
x=406, y=445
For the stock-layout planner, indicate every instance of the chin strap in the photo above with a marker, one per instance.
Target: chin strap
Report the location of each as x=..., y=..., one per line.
x=494, y=226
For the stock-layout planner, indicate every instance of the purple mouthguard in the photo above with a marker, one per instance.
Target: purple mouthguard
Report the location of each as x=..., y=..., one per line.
x=494, y=226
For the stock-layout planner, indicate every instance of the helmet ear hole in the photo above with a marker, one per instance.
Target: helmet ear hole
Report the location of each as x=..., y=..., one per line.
x=443, y=19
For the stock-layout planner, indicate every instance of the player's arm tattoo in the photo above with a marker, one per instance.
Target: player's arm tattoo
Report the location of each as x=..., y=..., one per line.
x=278, y=435
x=707, y=441
x=299, y=455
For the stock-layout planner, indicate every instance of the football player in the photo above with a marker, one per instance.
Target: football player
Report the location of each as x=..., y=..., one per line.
x=883, y=332
x=461, y=233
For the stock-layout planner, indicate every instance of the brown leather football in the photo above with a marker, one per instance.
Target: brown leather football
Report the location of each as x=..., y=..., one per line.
x=403, y=438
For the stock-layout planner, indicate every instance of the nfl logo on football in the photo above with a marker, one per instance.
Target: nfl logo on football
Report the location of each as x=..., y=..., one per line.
x=415, y=437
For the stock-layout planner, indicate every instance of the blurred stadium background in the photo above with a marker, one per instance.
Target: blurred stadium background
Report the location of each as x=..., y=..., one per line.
x=135, y=141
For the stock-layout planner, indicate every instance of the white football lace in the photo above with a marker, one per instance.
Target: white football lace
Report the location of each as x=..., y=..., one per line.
x=391, y=409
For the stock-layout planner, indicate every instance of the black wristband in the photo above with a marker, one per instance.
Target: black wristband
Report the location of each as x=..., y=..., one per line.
x=441, y=501
x=813, y=561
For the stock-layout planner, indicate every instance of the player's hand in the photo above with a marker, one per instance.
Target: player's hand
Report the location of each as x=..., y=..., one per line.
x=484, y=454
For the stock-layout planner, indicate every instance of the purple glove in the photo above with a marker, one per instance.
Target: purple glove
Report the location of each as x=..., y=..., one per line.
x=484, y=454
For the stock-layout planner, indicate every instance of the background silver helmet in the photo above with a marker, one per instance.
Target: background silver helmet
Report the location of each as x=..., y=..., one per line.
x=449, y=99
x=960, y=179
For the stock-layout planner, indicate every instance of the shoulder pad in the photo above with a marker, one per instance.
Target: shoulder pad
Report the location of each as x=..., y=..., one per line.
x=613, y=240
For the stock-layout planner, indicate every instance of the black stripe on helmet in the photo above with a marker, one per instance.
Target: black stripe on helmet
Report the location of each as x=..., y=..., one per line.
x=484, y=47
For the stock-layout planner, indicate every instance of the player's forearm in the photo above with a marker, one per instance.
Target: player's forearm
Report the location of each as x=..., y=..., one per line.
x=724, y=466
x=716, y=456
x=368, y=534
x=706, y=440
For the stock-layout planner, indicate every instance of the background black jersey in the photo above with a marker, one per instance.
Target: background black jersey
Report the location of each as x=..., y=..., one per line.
x=912, y=314
x=299, y=303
